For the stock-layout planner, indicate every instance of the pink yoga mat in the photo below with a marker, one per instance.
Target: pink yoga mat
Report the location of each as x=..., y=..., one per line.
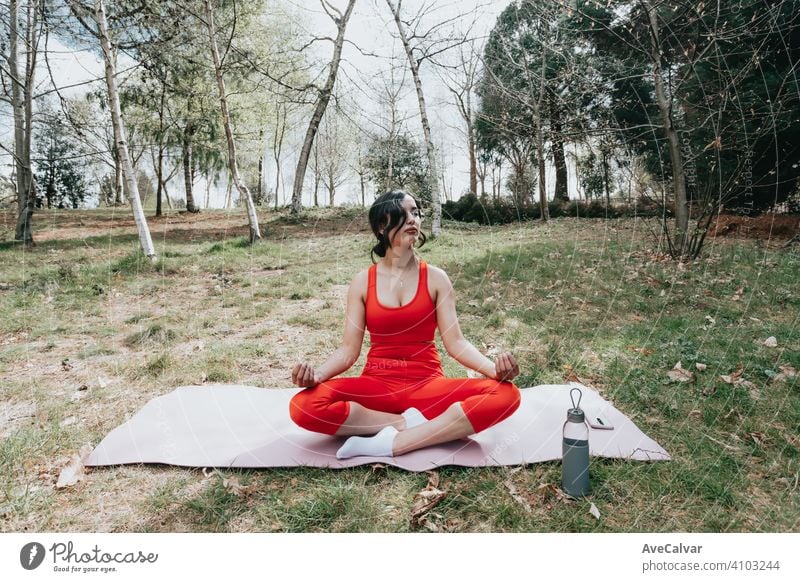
x=243, y=426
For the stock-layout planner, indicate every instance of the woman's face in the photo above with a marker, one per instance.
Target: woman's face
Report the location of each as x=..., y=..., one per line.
x=406, y=234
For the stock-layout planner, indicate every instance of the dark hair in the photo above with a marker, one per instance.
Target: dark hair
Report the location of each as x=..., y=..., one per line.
x=390, y=203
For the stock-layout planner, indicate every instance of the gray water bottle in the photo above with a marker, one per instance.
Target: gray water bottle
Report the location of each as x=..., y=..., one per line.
x=575, y=450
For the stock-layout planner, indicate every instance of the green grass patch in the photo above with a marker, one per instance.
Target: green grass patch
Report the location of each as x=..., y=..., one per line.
x=570, y=297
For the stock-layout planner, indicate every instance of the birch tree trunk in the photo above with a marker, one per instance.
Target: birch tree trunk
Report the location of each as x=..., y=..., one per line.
x=277, y=145
x=322, y=104
x=678, y=244
x=433, y=182
x=244, y=193
x=22, y=97
x=473, y=165
x=131, y=187
x=544, y=211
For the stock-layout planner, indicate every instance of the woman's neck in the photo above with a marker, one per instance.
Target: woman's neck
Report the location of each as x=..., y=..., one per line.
x=399, y=259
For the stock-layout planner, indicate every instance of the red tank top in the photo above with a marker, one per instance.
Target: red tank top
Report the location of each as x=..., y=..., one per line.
x=404, y=332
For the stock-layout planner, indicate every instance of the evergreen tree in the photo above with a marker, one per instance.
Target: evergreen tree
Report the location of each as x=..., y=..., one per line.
x=409, y=169
x=59, y=165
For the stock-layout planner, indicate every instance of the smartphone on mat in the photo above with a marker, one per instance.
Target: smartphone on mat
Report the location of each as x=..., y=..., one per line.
x=599, y=421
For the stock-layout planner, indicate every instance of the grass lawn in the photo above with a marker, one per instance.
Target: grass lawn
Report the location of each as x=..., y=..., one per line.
x=89, y=332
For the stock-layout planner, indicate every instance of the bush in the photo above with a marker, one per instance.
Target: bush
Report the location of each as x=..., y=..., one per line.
x=470, y=208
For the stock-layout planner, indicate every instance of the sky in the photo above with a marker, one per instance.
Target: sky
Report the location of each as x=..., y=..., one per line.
x=372, y=30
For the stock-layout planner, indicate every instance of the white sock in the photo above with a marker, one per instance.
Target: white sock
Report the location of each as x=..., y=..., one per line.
x=379, y=445
x=414, y=418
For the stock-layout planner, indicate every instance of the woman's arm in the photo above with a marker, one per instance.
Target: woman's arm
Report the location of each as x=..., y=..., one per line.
x=454, y=342
x=346, y=355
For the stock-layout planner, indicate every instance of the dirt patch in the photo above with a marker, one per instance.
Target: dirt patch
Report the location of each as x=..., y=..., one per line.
x=206, y=226
x=15, y=415
x=763, y=227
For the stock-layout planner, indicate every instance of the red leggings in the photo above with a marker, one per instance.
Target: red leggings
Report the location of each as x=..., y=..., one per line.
x=396, y=385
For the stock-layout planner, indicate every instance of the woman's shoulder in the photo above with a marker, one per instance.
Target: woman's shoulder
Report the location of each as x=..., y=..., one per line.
x=437, y=277
x=360, y=282
x=361, y=277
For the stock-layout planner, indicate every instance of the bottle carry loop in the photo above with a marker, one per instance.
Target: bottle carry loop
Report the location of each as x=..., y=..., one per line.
x=576, y=407
x=572, y=398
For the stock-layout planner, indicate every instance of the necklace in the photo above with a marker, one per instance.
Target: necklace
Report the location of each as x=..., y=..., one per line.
x=400, y=277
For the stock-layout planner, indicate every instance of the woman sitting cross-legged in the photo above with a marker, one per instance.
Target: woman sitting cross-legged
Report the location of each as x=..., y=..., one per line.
x=402, y=393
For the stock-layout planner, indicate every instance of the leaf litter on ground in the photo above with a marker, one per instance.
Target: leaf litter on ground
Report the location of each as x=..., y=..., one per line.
x=426, y=500
x=75, y=469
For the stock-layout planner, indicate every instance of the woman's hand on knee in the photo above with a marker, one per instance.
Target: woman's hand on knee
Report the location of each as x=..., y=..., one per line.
x=304, y=375
x=506, y=367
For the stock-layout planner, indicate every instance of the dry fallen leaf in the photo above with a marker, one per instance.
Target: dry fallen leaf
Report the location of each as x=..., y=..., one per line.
x=594, y=511
x=550, y=492
x=235, y=488
x=679, y=374
x=737, y=296
x=785, y=372
x=700, y=367
x=516, y=496
x=571, y=376
x=425, y=500
x=771, y=342
x=643, y=351
x=74, y=471
x=735, y=378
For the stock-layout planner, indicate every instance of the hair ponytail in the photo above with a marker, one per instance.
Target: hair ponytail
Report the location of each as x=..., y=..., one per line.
x=379, y=249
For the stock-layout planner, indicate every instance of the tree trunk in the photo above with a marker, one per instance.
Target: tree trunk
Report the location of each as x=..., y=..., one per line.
x=319, y=110
x=544, y=211
x=260, y=190
x=131, y=187
x=499, y=180
x=159, y=178
x=473, y=164
x=277, y=145
x=160, y=165
x=119, y=182
x=244, y=193
x=433, y=182
x=606, y=179
x=390, y=164
x=228, y=193
x=665, y=107
x=480, y=169
x=316, y=174
x=188, y=173
x=559, y=159
x=22, y=97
